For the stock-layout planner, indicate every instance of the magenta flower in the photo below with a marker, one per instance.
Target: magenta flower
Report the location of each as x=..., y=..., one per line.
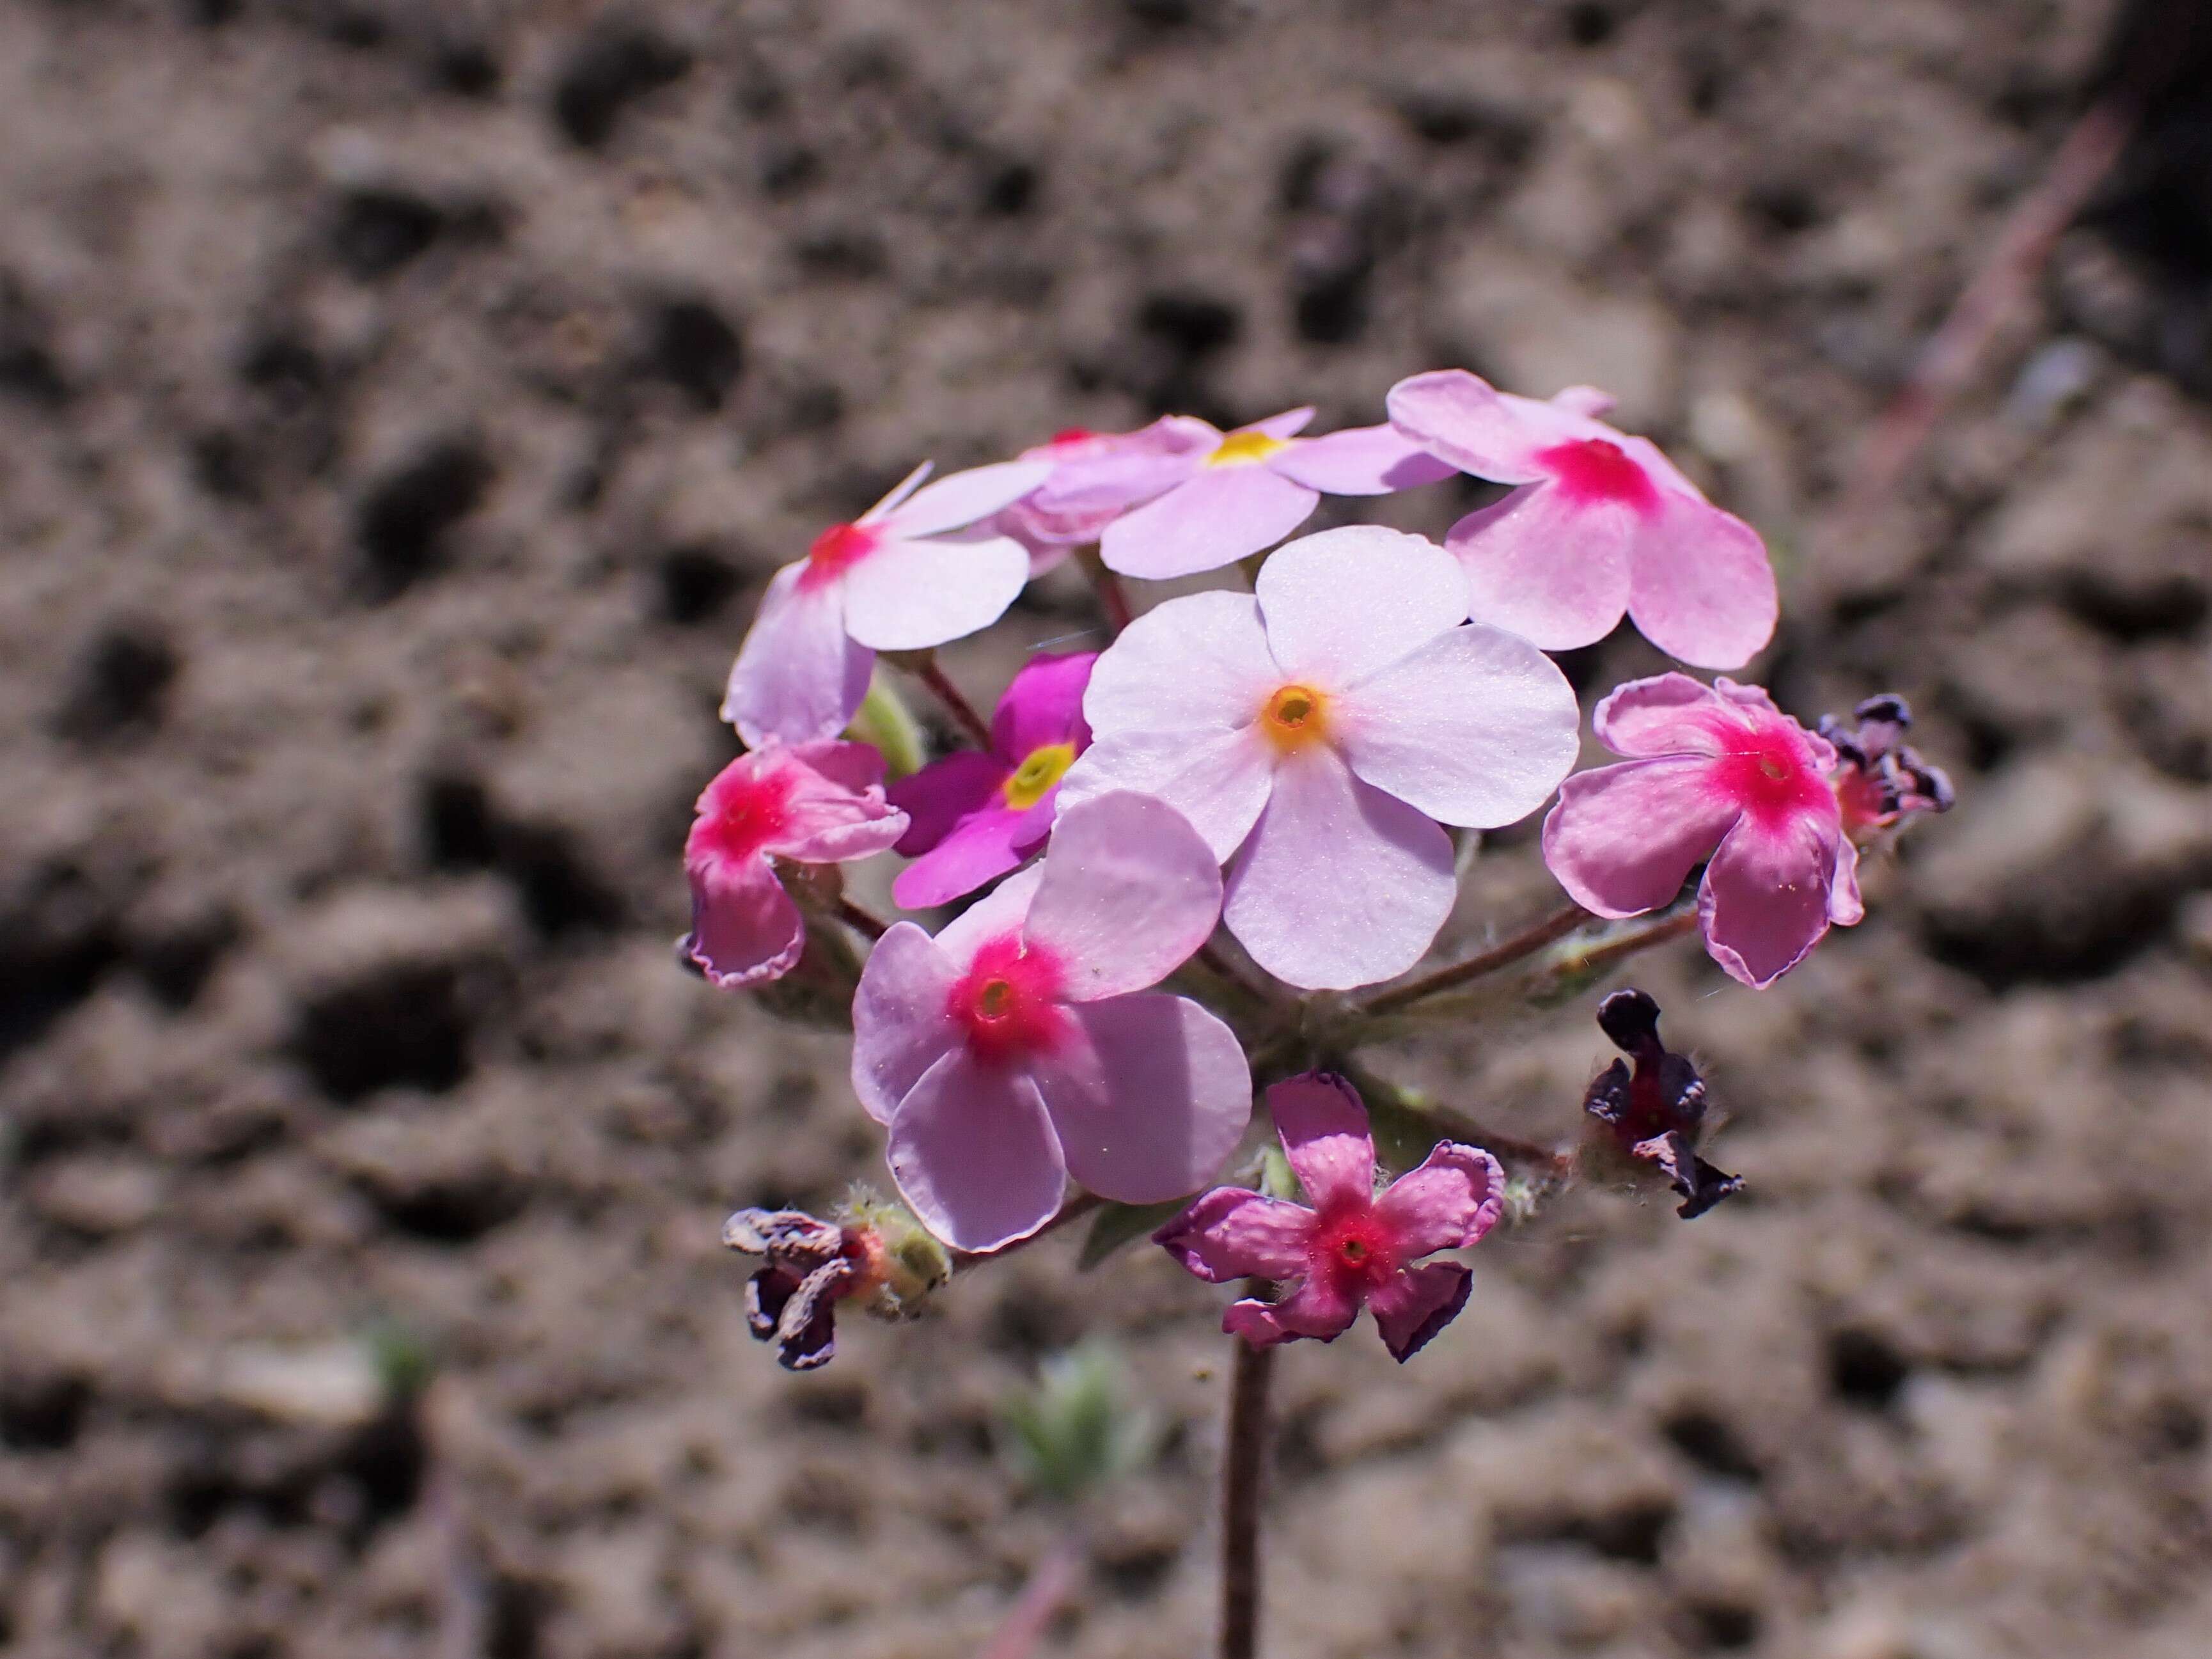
x=974, y=817
x=1022, y=1045
x=1602, y=523
x=1714, y=772
x=813, y=802
x=893, y=579
x=1095, y=478
x=1317, y=731
x=1210, y=498
x=1353, y=1246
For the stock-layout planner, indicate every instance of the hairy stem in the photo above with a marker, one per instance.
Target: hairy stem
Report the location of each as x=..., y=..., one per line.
x=1113, y=598
x=1244, y=1480
x=977, y=730
x=1502, y=955
x=1597, y=957
x=866, y=921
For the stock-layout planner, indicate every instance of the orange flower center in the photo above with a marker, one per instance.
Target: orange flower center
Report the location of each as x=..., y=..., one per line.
x=1295, y=716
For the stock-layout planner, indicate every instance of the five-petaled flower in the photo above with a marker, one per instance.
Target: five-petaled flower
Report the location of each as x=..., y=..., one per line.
x=809, y=802
x=977, y=815
x=1713, y=773
x=1095, y=478
x=896, y=579
x=1652, y=1115
x=811, y=1266
x=1204, y=498
x=1880, y=779
x=1353, y=1246
x=1022, y=1044
x=1599, y=523
x=1318, y=732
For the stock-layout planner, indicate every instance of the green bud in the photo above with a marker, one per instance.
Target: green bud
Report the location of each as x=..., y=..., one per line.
x=886, y=721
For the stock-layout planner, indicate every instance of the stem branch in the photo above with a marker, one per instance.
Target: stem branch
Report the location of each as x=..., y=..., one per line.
x=1243, y=1473
x=956, y=704
x=1503, y=955
x=1609, y=952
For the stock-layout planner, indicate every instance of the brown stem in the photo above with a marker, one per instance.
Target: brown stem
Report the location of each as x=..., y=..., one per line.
x=873, y=926
x=956, y=704
x=1112, y=597
x=1243, y=1480
x=1659, y=932
x=1499, y=955
x=1047, y=1592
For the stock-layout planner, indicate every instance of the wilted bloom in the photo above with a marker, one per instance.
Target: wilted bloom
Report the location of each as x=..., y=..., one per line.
x=1882, y=780
x=1353, y=1246
x=1316, y=730
x=1021, y=1045
x=1652, y=1115
x=1229, y=494
x=1714, y=772
x=792, y=1298
x=976, y=815
x=896, y=579
x=810, y=802
x=1601, y=523
x=1095, y=478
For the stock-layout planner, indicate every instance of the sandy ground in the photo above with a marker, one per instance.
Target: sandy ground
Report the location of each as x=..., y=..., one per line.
x=400, y=406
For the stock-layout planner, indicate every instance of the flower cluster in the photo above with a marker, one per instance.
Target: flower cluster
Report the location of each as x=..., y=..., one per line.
x=1303, y=756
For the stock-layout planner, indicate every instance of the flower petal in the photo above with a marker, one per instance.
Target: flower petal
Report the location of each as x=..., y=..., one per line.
x=1665, y=714
x=1479, y=430
x=1283, y=426
x=1765, y=901
x=1360, y=460
x=1700, y=587
x=1476, y=727
x=1111, y=474
x=1197, y=664
x=974, y=1156
x=910, y=595
x=1318, y=1309
x=1547, y=567
x=1214, y=518
x=1129, y=891
x=1623, y=838
x=1586, y=401
x=1149, y=1098
x=744, y=928
x=1342, y=604
x=1233, y=1232
x=1043, y=704
x=1339, y=884
x=902, y=1024
x=998, y=913
x=827, y=820
x=1450, y=1202
x=1412, y=1306
x=982, y=847
x=1322, y=1124
x=938, y=798
x=959, y=499
x=797, y=677
x=1218, y=780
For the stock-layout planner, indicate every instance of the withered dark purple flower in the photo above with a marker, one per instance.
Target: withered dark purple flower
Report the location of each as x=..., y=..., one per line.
x=1879, y=779
x=811, y=1266
x=1655, y=1110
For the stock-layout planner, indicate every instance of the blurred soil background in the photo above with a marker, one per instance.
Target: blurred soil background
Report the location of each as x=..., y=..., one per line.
x=401, y=404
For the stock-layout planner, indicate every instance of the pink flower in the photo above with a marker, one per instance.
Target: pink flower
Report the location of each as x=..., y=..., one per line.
x=975, y=815
x=1714, y=772
x=1316, y=730
x=1021, y=1045
x=1602, y=523
x=1353, y=1246
x=891, y=581
x=814, y=803
x=1881, y=779
x=1095, y=478
x=1212, y=498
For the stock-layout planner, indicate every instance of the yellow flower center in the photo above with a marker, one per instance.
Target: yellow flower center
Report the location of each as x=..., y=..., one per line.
x=1295, y=716
x=1244, y=448
x=1034, y=778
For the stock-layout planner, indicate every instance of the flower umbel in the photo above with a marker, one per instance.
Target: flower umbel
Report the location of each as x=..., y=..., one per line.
x=1653, y=1114
x=1354, y=1247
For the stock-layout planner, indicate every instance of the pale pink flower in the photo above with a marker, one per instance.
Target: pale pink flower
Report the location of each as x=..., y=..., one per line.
x=1354, y=1247
x=1095, y=478
x=976, y=814
x=1601, y=524
x=811, y=803
x=896, y=579
x=1022, y=1045
x=1214, y=497
x=1316, y=730
x=1714, y=772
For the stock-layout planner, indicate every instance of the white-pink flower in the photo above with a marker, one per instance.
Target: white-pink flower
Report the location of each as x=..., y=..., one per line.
x=1023, y=1045
x=896, y=579
x=1197, y=498
x=1319, y=731
x=811, y=803
x=1095, y=478
x=1600, y=524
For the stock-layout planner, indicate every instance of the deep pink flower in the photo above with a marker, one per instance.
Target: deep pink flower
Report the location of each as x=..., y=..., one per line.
x=1095, y=478
x=976, y=815
x=1210, y=498
x=1315, y=732
x=811, y=803
x=896, y=579
x=1353, y=1246
x=1880, y=779
x=1602, y=523
x=1022, y=1045
x=1714, y=772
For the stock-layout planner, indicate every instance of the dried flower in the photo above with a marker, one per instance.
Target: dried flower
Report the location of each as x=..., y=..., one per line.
x=1882, y=780
x=1653, y=1114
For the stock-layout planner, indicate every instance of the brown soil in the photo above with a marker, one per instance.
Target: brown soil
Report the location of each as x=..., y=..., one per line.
x=400, y=405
